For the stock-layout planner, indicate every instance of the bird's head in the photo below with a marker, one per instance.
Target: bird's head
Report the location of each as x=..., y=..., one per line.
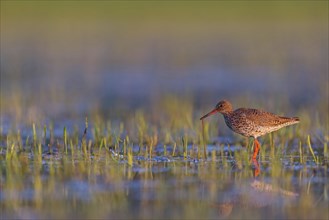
x=221, y=107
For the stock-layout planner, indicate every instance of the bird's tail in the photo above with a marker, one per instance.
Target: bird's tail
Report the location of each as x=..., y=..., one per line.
x=293, y=120
x=290, y=121
x=296, y=119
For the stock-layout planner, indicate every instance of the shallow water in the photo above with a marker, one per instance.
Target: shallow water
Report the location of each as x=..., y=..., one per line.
x=106, y=186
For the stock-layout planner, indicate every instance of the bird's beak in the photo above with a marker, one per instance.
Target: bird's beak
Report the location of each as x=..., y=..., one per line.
x=210, y=113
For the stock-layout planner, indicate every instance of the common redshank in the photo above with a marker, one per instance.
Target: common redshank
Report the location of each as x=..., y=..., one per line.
x=251, y=122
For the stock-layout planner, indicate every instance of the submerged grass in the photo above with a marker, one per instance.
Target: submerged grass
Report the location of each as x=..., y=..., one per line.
x=121, y=136
x=146, y=167
x=311, y=149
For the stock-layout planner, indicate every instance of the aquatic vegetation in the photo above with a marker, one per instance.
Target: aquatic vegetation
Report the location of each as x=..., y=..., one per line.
x=134, y=165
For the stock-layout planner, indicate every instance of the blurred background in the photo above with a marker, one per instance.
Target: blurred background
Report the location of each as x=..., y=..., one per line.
x=67, y=58
x=143, y=72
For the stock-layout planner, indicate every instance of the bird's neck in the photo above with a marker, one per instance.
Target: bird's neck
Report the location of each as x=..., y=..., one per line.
x=227, y=114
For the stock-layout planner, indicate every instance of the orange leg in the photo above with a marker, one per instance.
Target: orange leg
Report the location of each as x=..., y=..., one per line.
x=256, y=149
x=254, y=156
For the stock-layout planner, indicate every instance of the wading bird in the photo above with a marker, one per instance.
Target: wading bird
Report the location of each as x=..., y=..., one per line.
x=251, y=122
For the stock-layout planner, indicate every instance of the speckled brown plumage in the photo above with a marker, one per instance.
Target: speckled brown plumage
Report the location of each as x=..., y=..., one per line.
x=251, y=122
x=254, y=122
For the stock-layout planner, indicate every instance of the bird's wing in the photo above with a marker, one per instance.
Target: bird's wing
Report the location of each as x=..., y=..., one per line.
x=260, y=117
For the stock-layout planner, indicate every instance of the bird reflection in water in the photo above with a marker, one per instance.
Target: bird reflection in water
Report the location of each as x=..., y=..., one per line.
x=255, y=195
